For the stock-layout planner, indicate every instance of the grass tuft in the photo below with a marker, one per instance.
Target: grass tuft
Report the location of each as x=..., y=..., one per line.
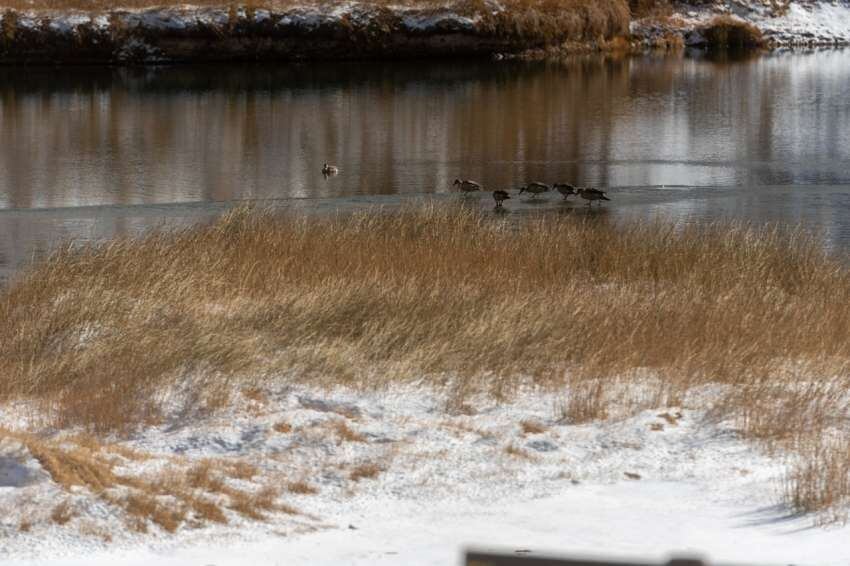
x=727, y=32
x=301, y=488
x=368, y=470
x=819, y=480
x=532, y=427
x=62, y=513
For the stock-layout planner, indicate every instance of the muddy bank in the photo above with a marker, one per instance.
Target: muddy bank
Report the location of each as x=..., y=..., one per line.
x=350, y=31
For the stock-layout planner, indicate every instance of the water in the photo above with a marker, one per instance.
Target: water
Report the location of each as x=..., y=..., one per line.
x=92, y=153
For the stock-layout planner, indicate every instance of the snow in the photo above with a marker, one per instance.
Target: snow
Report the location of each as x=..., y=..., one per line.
x=67, y=24
x=644, y=484
x=416, y=22
x=804, y=22
x=820, y=22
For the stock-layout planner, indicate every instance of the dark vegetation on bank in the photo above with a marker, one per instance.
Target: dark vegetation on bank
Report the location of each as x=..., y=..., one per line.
x=725, y=32
x=95, y=31
x=303, y=31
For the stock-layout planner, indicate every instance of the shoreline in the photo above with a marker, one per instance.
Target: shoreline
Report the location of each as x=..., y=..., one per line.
x=362, y=31
x=352, y=31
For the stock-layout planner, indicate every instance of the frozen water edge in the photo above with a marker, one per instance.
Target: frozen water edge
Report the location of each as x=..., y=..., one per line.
x=448, y=483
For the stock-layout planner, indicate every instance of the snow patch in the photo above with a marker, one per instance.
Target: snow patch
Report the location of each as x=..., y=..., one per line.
x=821, y=22
x=446, y=20
x=443, y=478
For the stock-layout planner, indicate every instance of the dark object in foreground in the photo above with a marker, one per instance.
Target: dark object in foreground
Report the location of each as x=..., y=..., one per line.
x=486, y=559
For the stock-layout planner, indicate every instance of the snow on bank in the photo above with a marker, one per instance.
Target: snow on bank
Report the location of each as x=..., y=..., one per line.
x=645, y=485
x=192, y=33
x=820, y=23
x=802, y=23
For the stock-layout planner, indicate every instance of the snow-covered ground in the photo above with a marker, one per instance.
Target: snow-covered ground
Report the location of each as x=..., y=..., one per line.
x=800, y=23
x=819, y=23
x=514, y=476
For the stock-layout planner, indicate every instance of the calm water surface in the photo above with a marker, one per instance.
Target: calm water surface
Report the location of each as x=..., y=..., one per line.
x=91, y=153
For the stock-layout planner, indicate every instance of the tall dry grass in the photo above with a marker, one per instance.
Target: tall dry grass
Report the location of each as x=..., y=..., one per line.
x=446, y=293
x=101, y=335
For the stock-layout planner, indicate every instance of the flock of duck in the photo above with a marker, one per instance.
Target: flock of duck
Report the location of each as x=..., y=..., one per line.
x=466, y=186
x=535, y=188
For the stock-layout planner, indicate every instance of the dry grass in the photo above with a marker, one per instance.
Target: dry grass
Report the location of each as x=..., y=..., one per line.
x=255, y=394
x=532, y=427
x=650, y=8
x=146, y=508
x=672, y=420
x=345, y=432
x=726, y=32
x=516, y=452
x=448, y=295
x=62, y=513
x=820, y=480
x=253, y=506
x=176, y=496
x=368, y=470
x=74, y=466
x=423, y=293
x=301, y=487
x=208, y=476
x=241, y=470
x=586, y=402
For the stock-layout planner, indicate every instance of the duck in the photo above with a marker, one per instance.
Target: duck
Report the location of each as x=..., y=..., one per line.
x=535, y=188
x=329, y=170
x=500, y=196
x=466, y=186
x=565, y=189
x=591, y=194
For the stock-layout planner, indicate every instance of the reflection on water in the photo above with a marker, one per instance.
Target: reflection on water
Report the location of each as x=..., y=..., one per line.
x=89, y=153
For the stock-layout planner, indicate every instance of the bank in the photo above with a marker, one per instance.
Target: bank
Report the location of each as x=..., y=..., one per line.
x=351, y=30
x=93, y=33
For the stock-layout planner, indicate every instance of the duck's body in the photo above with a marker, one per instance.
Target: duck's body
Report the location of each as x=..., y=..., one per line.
x=466, y=186
x=591, y=195
x=565, y=189
x=329, y=170
x=500, y=196
x=535, y=188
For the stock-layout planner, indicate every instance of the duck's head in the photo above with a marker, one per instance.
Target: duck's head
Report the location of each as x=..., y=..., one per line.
x=457, y=182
